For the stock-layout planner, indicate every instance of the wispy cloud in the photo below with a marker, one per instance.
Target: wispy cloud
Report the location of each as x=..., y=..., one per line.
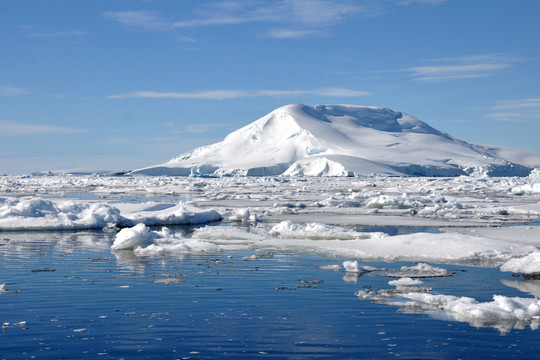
x=289, y=19
x=202, y=128
x=465, y=67
x=11, y=129
x=147, y=20
x=36, y=32
x=11, y=91
x=521, y=110
x=298, y=18
x=237, y=94
x=291, y=34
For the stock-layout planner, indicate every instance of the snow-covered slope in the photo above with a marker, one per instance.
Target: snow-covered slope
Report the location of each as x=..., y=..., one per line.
x=344, y=140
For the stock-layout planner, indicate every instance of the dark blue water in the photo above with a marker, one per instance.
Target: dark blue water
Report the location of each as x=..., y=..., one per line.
x=81, y=301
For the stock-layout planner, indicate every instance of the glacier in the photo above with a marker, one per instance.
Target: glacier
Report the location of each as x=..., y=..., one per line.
x=344, y=140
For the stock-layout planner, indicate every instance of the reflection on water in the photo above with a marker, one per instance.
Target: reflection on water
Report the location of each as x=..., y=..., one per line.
x=93, y=303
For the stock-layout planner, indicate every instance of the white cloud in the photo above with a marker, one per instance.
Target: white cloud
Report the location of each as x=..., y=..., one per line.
x=465, y=67
x=304, y=17
x=10, y=129
x=11, y=91
x=521, y=110
x=291, y=34
x=236, y=94
x=34, y=31
x=307, y=12
x=147, y=20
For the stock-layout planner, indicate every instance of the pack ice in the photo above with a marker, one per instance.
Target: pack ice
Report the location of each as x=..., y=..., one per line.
x=344, y=140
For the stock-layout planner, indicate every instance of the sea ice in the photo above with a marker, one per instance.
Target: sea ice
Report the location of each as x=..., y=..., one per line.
x=529, y=264
x=144, y=242
x=420, y=270
x=354, y=267
x=45, y=214
x=405, y=281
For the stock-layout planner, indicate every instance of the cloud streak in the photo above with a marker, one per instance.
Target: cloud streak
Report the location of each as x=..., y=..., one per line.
x=11, y=91
x=293, y=18
x=10, y=129
x=307, y=12
x=521, y=110
x=36, y=32
x=147, y=20
x=237, y=94
x=474, y=66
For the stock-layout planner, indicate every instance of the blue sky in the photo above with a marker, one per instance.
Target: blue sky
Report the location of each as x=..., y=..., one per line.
x=128, y=83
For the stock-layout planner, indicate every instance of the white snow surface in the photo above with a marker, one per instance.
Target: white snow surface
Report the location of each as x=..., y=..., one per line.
x=344, y=140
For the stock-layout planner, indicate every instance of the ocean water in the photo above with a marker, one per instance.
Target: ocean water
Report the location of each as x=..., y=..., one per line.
x=68, y=296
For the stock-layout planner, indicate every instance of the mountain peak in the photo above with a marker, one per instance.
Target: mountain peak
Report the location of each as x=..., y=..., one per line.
x=340, y=140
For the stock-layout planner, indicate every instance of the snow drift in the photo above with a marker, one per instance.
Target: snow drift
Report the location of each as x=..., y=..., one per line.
x=344, y=140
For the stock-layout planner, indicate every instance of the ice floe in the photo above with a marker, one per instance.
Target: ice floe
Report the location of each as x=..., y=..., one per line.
x=354, y=267
x=503, y=313
x=442, y=247
x=145, y=242
x=47, y=214
x=421, y=270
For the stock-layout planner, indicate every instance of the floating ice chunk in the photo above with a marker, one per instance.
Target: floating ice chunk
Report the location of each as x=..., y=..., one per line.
x=503, y=313
x=155, y=214
x=354, y=267
x=130, y=238
x=318, y=231
x=398, y=202
x=330, y=267
x=243, y=215
x=529, y=264
x=406, y=281
x=144, y=242
x=421, y=270
x=41, y=214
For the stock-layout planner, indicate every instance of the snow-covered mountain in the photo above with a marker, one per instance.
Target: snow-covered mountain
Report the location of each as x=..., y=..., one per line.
x=344, y=140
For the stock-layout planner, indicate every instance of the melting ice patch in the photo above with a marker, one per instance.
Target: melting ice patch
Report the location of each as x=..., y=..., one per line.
x=503, y=313
x=44, y=214
x=319, y=231
x=421, y=270
x=444, y=247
